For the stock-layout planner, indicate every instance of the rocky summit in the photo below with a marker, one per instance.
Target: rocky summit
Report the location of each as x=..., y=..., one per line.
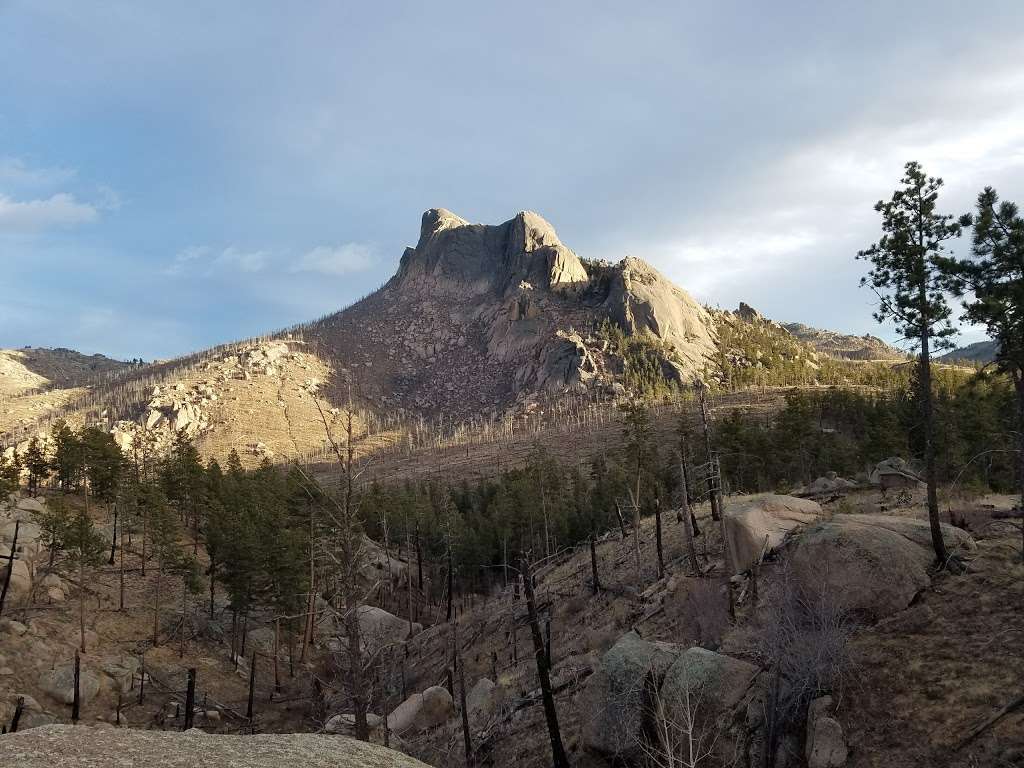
x=502, y=311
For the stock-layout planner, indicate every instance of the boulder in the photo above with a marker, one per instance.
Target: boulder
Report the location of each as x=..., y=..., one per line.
x=751, y=521
x=612, y=702
x=27, y=532
x=31, y=505
x=826, y=744
x=830, y=482
x=717, y=681
x=32, y=714
x=122, y=671
x=378, y=627
x=874, y=565
x=13, y=627
x=421, y=711
x=483, y=701
x=346, y=722
x=21, y=579
x=59, y=684
x=894, y=473
x=82, y=746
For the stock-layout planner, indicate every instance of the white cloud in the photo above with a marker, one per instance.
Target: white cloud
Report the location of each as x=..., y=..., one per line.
x=59, y=210
x=16, y=173
x=185, y=257
x=107, y=199
x=336, y=260
x=247, y=261
x=208, y=259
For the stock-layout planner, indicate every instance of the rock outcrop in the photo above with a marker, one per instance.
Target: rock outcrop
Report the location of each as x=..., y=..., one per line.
x=873, y=565
x=421, y=711
x=83, y=747
x=613, y=700
x=640, y=687
x=756, y=525
x=505, y=312
x=826, y=744
x=59, y=684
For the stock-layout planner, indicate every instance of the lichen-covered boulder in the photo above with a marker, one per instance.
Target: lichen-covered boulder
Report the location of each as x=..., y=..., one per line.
x=717, y=681
x=59, y=683
x=613, y=701
x=872, y=565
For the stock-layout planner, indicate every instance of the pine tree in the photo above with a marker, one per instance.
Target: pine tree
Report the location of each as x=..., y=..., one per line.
x=38, y=466
x=909, y=274
x=85, y=547
x=992, y=284
x=67, y=455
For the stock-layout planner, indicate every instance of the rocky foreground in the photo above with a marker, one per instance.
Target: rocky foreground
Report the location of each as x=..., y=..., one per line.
x=71, y=746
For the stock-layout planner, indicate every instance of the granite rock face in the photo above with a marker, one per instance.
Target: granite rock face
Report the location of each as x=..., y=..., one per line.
x=504, y=314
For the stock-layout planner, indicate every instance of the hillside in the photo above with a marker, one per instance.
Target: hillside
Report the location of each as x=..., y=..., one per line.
x=480, y=324
x=978, y=352
x=33, y=368
x=501, y=314
x=845, y=346
x=484, y=329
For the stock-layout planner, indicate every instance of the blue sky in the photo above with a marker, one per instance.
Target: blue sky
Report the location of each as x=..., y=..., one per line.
x=177, y=175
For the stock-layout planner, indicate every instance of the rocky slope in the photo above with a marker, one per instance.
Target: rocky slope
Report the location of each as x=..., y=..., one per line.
x=482, y=322
x=845, y=346
x=479, y=316
x=33, y=368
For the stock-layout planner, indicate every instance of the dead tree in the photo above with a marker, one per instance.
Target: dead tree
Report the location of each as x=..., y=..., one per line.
x=190, y=698
x=685, y=515
x=657, y=538
x=347, y=559
x=76, y=702
x=550, y=713
x=19, y=707
x=466, y=738
x=252, y=689
x=593, y=565
x=716, y=512
x=10, y=565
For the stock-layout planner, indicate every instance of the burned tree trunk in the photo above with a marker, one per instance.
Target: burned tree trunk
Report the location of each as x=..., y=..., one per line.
x=550, y=714
x=657, y=538
x=686, y=515
x=10, y=566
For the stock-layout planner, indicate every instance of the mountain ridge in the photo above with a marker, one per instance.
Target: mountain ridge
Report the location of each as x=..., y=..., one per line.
x=479, y=322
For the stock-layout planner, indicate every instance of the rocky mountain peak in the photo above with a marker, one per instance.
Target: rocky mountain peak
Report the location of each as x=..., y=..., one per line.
x=453, y=254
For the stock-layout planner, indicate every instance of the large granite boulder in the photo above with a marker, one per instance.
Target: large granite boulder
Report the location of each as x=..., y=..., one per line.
x=80, y=746
x=483, y=701
x=761, y=523
x=873, y=565
x=377, y=627
x=613, y=702
x=421, y=711
x=826, y=744
x=59, y=683
x=717, y=681
x=21, y=579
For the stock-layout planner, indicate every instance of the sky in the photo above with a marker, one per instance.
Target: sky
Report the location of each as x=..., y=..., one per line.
x=176, y=175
